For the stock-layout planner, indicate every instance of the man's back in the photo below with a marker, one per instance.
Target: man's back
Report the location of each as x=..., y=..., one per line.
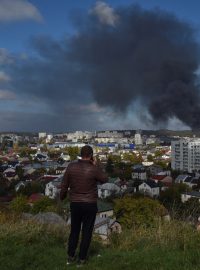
x=82, y=178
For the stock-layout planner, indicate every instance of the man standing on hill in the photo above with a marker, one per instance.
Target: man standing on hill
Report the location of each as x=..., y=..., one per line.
x=81, y=178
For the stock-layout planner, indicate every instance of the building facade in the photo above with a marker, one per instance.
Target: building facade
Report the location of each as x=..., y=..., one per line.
x=138, y=138
x=186, y=155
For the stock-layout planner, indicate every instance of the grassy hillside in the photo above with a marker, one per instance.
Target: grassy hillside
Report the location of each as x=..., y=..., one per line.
x=28, y=246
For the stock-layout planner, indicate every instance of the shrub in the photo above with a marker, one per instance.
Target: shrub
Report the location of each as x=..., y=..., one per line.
x=172, y=235
x=138, y=211
x=20, y=204
x=45, y=204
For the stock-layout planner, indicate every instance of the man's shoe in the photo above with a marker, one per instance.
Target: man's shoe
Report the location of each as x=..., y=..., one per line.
x=81, y=263
x=70, y=260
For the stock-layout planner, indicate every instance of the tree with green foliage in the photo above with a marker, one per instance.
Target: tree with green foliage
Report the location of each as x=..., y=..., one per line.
x=54, y=154
x=20, y=172
x=171, y=197
x=31, y=188
x=175, y=173
x=109, y=166
x=130, y=157
x=159, y=153
x=125, y=170
x=150, y=158
x=115, y=158
x=131, y=212
x=26, y=151
x=161, y=163
x=44, y=148
x=40, y=171
x=73, y=152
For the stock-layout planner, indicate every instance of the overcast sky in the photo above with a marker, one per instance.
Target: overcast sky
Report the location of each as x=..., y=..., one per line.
x=51, y=79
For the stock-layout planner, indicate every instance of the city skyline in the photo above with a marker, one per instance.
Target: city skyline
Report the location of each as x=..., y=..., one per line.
x=44, y=87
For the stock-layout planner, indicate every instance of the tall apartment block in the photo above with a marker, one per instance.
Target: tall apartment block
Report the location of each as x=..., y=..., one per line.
x=138, y=138
x=186, y=155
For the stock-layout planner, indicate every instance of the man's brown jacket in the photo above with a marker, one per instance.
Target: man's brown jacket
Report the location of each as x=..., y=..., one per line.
x=81, y=178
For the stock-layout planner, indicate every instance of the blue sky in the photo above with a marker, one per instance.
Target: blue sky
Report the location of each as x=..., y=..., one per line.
x=57, y=21
x=33, y=18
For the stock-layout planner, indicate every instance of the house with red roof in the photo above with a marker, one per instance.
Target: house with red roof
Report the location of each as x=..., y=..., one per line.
x=166, y=180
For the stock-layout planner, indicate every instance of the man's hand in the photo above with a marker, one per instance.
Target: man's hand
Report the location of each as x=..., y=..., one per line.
x=94, y=161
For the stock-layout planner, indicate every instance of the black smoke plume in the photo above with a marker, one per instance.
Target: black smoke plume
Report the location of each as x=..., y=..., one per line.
x=150, y=56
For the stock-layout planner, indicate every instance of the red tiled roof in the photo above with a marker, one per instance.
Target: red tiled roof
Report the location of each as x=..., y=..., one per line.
x=158, y=177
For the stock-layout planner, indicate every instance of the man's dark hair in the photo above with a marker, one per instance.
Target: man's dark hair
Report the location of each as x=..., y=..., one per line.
x=86, y=151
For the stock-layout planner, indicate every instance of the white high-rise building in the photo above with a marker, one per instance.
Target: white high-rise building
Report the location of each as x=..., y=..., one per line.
x=186, y=155
x=49, y=138
x=138, y=138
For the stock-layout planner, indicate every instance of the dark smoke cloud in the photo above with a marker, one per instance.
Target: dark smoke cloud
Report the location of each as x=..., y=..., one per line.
x=143, y=55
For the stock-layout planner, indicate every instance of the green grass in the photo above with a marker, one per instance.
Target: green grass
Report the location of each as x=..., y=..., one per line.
x=171, y=246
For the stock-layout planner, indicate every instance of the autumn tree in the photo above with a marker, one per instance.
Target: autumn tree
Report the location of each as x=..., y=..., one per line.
x=132, y=212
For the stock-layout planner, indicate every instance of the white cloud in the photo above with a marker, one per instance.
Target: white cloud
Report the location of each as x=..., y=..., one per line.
x=4, y=77
x=7, y=95
x=16, y=10
x=105, y=13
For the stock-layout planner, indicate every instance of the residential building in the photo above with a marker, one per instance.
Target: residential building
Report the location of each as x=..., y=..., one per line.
x=190, y=194
x=150, y=188
x=19, y=185
x=109, y=134
x=105, y=226
x=52, y=189
x=60, y=170
x=80, y=135
x=165, y=180
x=139, y=173
x=107, y=190
x=183, y=178
x=105, y=209
x=186, y=155
x=151, y=140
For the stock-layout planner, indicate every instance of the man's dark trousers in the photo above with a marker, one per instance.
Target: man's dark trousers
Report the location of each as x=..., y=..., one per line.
x=83, y=216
